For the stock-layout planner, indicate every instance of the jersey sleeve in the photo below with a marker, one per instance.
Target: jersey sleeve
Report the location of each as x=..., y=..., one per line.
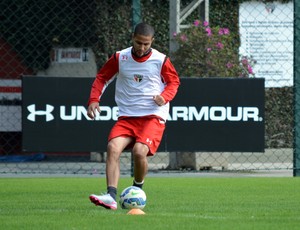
x=171, y=80
x=104, y=76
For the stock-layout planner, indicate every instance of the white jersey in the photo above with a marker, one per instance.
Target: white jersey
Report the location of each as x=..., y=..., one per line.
x=137, y=83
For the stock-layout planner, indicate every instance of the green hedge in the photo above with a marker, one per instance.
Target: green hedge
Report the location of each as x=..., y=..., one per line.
x=279, y=113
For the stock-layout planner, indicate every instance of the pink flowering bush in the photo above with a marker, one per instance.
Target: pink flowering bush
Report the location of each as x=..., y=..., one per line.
x=205, y=51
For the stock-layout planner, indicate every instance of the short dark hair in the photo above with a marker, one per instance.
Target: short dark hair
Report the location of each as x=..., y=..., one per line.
x=144, y=29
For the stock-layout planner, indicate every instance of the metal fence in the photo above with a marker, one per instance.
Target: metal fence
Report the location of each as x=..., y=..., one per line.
x=33, y=35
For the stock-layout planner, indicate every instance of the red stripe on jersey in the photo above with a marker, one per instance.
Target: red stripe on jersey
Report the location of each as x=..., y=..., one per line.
x=105, y=74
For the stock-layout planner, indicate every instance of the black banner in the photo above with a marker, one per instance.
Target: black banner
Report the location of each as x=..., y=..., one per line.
x=208, y=114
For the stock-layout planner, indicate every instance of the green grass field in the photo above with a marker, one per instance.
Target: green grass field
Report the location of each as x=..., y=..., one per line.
x=172, y=203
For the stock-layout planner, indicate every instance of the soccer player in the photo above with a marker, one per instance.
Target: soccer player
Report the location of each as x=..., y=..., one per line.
x=146, y=82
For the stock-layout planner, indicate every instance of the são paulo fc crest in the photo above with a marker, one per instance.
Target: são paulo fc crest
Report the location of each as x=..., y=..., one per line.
x=138, y=77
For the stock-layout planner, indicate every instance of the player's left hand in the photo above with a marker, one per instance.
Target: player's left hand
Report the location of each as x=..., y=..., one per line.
x=159, y=100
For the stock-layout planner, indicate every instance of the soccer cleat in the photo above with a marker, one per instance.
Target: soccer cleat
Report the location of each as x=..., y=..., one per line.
x=105, y=201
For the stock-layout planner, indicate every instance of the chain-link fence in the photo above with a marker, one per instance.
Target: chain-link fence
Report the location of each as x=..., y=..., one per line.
x=35, y=36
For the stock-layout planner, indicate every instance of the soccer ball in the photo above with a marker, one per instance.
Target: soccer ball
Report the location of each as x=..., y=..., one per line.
x=132, y=197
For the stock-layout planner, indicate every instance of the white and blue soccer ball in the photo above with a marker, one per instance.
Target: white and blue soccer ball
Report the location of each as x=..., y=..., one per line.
x=133, y=197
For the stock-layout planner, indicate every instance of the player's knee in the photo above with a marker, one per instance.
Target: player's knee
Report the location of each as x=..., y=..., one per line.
x=140, y=150
x=113, y=149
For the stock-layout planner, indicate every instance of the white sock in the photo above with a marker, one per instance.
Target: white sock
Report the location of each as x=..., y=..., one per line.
x=139, y=183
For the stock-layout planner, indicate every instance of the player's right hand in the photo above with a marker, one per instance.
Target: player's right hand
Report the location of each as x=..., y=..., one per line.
x=92, y=108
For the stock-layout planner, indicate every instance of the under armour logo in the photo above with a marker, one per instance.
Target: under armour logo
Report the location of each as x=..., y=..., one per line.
x=149, y=141
x=47, y=112
x=124, y=57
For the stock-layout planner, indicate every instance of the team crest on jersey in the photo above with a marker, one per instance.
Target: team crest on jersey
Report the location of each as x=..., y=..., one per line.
x=138, y=77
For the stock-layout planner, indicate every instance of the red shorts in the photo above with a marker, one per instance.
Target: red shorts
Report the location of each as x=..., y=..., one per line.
x=147, y=130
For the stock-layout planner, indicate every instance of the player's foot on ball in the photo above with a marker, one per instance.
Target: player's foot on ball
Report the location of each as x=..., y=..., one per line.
x=105, y=201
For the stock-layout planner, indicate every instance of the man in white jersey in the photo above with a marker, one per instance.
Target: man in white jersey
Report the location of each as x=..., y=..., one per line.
x=146, y=82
